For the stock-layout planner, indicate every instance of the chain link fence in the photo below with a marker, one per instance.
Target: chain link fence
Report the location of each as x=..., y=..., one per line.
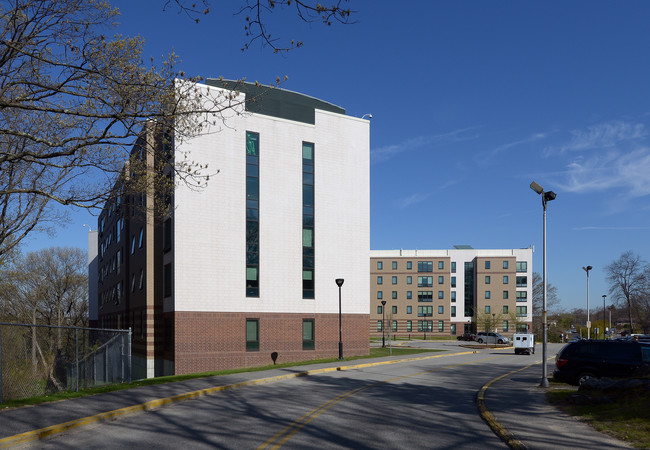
x=37, y=360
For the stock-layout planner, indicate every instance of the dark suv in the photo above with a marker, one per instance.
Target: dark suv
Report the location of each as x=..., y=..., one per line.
x=585, y=359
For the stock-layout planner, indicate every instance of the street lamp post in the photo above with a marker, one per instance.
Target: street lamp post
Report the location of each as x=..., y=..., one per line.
x=587, y=269
x=339, y=283
x=604, y=335
x=383, y=328
x=546, y=197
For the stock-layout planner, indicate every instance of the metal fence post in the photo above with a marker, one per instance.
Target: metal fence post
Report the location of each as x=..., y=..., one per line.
x=1, y=399
x=129, y=356
x=76, y=354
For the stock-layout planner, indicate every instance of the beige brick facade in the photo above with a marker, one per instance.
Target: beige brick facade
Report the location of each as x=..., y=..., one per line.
x=449, y=292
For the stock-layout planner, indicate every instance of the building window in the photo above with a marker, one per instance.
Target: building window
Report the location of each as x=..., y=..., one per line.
x=380, y=280
x=453, y=282
x=380, y=265
x=453, y=267
x=453, y=296
x=425, y=296
x=441, y=326
x=394, y=265
x=441, y=279
x=394, y=280
x=425, y=325
x=167, y=280
x=505, y=279
x=379, y=325
x=379, y=309
x=522, y=281
x=252, y=334
x=522, y=296
x=487, y=309
x=409, y=265
x=522, y=311
x=307, y=334
x=141, y=282
x=441, y=295
x=132, y=244
x=394, y=309
x=409, y=295
x=425, y=266
x=441, y=309
x=441, y=265
x=522, y=266
x=453, y=329
x=425, y=311
x=487, y=264
x=380, y=295
x=409, y=326
x=308, y=207
x=141, y=239
x=394, y=295
x=453, y=311
x=253, y=217
x=393, y=325
x=505, y=295
x=505, y=325
x=425, y=281
x=487, y=279
x=167, y=235
x=505, y=309
x=487, y=294
x=409, y=309
x=409, y=280
x=505, y=264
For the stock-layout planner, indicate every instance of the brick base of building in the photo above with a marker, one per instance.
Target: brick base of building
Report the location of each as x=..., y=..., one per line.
x=207, y=341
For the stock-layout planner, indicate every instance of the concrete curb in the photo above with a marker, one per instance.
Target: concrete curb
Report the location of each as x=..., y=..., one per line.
x=487, y=416
x=52, y=430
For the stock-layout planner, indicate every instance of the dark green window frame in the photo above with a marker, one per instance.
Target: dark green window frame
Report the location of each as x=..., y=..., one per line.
x=308, y=333
x=252, y=335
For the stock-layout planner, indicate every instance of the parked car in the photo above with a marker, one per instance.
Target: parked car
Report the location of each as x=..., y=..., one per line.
x=466, y=337
x=491, y=338
x=578, y=361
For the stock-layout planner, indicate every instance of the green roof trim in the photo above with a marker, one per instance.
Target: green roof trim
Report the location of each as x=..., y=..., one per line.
x=276, y=102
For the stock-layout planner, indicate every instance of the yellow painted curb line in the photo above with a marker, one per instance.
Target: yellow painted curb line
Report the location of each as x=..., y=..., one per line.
x=495, y=426
x=43, y=433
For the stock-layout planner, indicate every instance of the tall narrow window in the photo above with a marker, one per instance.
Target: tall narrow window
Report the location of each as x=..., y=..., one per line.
x=252, y=334
x=252, y=216
x=167, y=280
x=307, y=220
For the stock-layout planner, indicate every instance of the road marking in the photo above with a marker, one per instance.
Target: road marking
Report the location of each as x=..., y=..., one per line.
x=280, y=438
x=487, y=416
x=52, y=430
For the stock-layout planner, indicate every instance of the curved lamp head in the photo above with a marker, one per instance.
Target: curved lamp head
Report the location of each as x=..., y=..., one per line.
x=587, y=269
x=339, y=282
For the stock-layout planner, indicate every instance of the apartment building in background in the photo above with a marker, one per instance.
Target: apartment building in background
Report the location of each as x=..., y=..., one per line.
x=450, y=292
x=245, y=268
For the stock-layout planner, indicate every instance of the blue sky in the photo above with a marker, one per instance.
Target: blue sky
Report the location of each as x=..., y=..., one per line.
x=471, y=101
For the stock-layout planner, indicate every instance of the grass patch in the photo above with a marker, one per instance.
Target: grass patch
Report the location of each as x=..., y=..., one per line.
x=626, y=418
x=374, y=353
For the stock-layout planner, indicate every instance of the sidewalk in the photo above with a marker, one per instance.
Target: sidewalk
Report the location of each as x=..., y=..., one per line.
x=515, y=401
x=519, y=405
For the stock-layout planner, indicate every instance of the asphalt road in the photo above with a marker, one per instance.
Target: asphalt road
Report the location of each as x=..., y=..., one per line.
x=427, y=403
